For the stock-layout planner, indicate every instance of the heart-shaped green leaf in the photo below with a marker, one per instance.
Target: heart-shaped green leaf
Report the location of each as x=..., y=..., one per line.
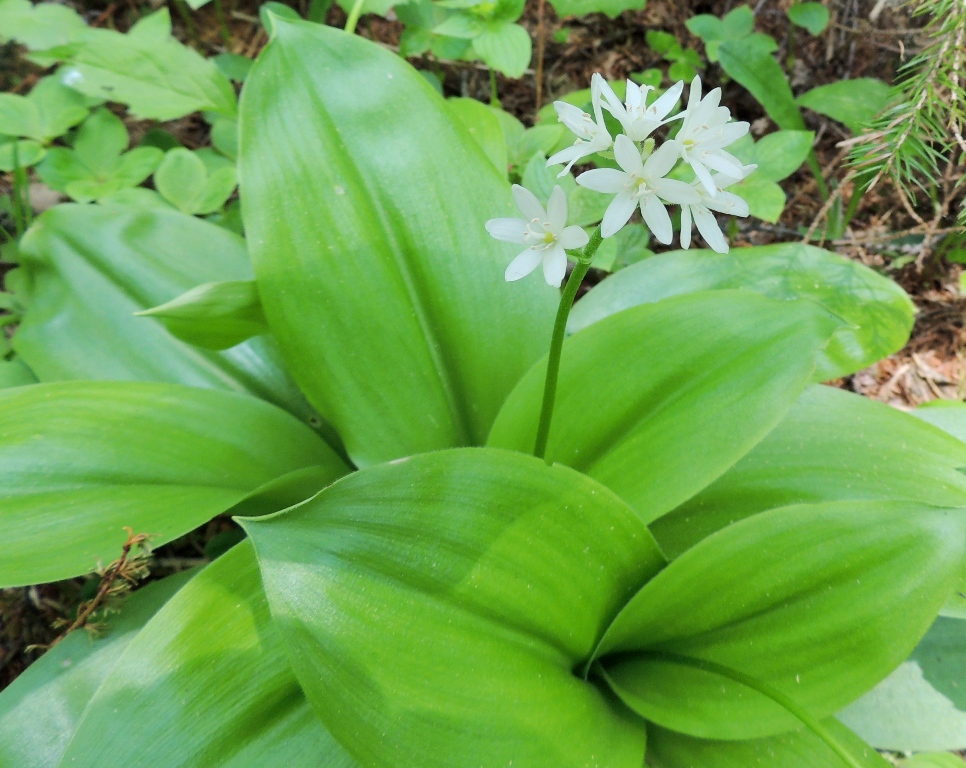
x=879, y=311
x=744, y=362
x=206, y=683
x=435, y=610
x=365, y=218
x=79, y=461
x=819, y=602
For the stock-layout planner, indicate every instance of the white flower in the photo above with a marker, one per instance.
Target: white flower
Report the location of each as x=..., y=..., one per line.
x=543, y=231
x=723, y=202
x=640, y=183
x=706, y=130
x=636, y=118
x=592, y=134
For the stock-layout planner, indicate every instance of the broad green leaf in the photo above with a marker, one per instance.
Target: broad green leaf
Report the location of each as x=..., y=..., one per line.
x=15, y=373
x=668, y=417
x=817, y=601
x=81, y=460
x=59, y=107
x=39, y=26
x=852, y=102
x=922, y=705
x=778, y=155
x=611, y=8
x=158, y=79
x=434, y=610
x=932, y=760
x=506, y=47
x=832, y=445
x=206, y=683
x=40, y=710
x=19, y=154
x=948, y=415
x=766, y=199
x=811, y=16
x=213, y=315
x=763, y=77
x=667, y=749
x=483, y=125
x=366, y=222
x=879, y=313
x=539, y=138
x=19, y=116
x=88, y=269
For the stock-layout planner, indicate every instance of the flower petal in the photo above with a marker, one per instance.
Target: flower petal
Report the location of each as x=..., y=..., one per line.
x=554, y=265
x=708, y=227
x=657, y=219
x=528, y=204
x=573, y=237
x=685, y=226
x=507, y=230
x=728, y=203
x=716, y=162
x=662, y=161
x=618, y=212
x=570, y=155
x=704, y=176
x=574, y=118
x=677, y=192
x=557, y=210
x=628, y=156
x=610, y=181
x=667, y=100
x=523, y=264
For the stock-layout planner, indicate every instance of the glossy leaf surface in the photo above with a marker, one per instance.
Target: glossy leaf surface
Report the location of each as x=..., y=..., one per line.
x=365, y=219
x=832, y=445
x=434, y=610
x=727, y=364
x=206, y=683
x=40, y=710
x=88, y=269
x=948, y=415
x=852, y=102
x=817, y=601
x=879, y=311
x=667, y=749
x=79, y=461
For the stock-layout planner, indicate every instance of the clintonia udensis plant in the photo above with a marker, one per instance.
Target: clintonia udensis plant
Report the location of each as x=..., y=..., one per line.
x=715, y=555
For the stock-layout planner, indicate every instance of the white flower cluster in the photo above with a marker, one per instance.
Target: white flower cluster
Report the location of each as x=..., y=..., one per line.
x=641, y=182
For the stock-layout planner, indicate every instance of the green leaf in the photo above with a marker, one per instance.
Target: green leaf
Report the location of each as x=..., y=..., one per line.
x=667, y=749
x=158, y=79
x=183, y=694
x=738, y=23
x=90, y=268
x=932, y=760
x=19, y=154
x=811, y=16
x=879, y=313
x=234, y=66
x=851, y=102
x=59, y=107
x=40, y=710
x=461, y=25
x=375, y=270
x=434, y=610
x=213, y=315
x=706, y=26
x=505, y=47
x=820, y=602
x=778, y=155
x=14, y=373
x=948, y=415
x=746, y=360
x=86, y=459
x=19, y=116
x=832, y=445
x=758, y=71
x=611, y=8
x=483, y=125
x=183, y=180
x=922, y=705
x=39, y=26
x=766, y=200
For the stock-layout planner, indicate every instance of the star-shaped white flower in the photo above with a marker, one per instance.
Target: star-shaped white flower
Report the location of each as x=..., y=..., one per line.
x=723, y=202
x=706, y=130
x=640, y=183
x=637, y=118
x=544, y=232
x=592, y=134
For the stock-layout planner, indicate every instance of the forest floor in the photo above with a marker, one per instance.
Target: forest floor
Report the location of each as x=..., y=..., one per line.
x=890, y=233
